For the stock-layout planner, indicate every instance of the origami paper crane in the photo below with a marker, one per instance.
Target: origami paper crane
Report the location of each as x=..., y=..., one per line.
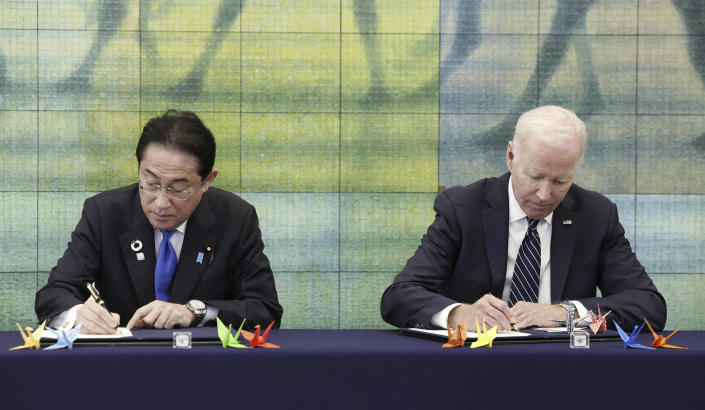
x=485, y=337
x=660, y=341
x=457, y=337
x=226, y=335
x=599, y=324
x=64, y=338
x=32, y=338
x=259, y=341
x=630, y=341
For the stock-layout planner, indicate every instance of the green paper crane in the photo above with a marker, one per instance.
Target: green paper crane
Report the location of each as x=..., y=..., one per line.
x=226, y=336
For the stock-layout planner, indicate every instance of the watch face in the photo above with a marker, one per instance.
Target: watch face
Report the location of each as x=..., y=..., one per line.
x=196, y=304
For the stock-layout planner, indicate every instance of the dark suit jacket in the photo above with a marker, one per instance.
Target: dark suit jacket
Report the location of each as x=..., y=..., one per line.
x=463, y=256
x=235, y=277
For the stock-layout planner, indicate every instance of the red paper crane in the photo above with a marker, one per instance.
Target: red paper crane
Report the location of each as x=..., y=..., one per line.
x=599, y=325
x=660, y=341
x=259, y=341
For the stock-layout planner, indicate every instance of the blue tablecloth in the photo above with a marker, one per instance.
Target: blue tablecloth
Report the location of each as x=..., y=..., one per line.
x=354, y=369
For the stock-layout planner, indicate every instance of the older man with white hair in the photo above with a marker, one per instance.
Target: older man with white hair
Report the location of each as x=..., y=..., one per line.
x=526, y=248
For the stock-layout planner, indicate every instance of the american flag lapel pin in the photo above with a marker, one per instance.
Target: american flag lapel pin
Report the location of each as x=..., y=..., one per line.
x=567, y=222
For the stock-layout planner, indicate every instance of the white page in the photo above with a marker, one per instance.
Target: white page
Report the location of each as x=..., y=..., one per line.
x=120, y=333
x=473, y=335
x=557, y=329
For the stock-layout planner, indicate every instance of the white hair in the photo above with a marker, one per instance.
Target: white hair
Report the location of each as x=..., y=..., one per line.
x=552, y=122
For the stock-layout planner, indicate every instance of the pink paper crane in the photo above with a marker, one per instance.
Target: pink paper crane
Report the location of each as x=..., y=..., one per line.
x=599, y=324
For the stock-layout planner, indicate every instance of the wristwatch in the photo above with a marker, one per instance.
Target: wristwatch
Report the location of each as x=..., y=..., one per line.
x=198, y=309
x=570, y=308
x=567, y=305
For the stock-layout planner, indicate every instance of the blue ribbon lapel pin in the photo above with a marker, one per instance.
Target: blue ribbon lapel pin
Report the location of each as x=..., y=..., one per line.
x=207, y=250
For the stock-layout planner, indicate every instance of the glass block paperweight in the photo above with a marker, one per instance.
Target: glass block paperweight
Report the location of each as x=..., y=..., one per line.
x=181, y=340
x=579, y=339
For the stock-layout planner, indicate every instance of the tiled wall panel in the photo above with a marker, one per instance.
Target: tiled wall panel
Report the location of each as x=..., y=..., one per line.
x=340, y=119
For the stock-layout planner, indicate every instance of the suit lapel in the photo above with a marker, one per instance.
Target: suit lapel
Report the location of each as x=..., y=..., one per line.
x=141, y=271
x=563, y=235
x=495, y=224
x=200, y=232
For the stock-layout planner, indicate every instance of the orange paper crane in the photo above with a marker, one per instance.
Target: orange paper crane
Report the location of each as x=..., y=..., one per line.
x=660, y=341
x=259, y=341
x=457, y=337
x=599, y=325
x=32, y=338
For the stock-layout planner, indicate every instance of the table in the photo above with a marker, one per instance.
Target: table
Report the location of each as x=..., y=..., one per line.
x=354, y=369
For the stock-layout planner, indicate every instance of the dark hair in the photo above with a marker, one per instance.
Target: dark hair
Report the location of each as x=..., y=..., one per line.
x=182, y=131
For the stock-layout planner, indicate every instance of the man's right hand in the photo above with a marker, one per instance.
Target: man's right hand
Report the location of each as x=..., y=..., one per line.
x=96, y=319
x=493, y=310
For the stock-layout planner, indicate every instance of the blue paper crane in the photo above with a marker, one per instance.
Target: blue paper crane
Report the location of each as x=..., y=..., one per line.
x=630, y=341
x=64, y=338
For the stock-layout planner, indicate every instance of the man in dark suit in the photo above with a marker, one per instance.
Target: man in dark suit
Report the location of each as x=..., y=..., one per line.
x=525, y=248
x=167, y=251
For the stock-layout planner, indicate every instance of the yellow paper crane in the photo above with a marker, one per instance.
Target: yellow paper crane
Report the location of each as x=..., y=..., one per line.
x=457, y=337
x=484, y=337
x=32, y=338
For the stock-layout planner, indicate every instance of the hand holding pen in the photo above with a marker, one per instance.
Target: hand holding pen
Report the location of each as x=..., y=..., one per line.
x=492, y=310
x=94, y=315
x=95, y=294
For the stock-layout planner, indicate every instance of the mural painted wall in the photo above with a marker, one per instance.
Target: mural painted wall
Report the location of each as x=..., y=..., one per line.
x=339, y=120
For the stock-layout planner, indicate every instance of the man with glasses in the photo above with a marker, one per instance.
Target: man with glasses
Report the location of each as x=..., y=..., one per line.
x=168, y=251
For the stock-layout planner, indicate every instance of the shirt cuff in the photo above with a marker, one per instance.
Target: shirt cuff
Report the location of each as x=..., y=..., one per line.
x=66, y=320
x=581, y=313
x=211, y=313
x=440, y=319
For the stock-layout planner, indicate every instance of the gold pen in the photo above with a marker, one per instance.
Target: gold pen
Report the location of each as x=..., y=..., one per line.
x=96, y=296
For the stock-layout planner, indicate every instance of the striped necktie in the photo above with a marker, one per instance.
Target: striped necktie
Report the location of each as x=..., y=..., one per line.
x=527, y=269
x=166, y=265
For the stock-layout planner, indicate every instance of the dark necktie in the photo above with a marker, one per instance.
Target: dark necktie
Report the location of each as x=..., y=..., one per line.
x=527, y=269
x=166, y=265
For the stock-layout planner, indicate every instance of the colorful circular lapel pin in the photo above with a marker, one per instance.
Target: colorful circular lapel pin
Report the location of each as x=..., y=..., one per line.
x=136, y=246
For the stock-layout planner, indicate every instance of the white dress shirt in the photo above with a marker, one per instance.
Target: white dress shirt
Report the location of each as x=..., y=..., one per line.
x=67, y=319
x=517, y=230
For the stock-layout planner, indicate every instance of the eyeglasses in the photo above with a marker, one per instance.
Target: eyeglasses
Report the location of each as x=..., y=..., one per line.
x=153, y=189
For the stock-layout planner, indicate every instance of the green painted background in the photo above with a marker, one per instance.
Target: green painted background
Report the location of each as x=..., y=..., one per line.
x=339, y=120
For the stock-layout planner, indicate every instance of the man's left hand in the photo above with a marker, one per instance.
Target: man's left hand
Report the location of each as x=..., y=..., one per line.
x=535, y=314
x=161, y=315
